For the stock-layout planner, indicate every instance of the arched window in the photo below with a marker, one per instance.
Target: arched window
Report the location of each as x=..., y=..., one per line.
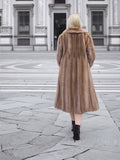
x=59, y=1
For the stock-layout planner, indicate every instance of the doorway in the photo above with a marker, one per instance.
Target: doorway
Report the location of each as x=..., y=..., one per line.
x=59, y=26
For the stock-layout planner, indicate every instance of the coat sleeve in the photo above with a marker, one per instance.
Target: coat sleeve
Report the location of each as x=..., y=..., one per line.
x=59, y=49
x=90, y=50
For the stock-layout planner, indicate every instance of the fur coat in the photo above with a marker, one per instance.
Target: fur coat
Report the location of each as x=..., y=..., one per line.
x=75, y=91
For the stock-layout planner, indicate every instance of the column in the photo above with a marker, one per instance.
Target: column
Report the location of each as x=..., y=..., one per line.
x=9, y=9
x=80, y=6
x=111, y=13
x=4, y=18
x=76, y=6
x=84, y=14
x=44, y=13
x=115, y=18
x=40, y=12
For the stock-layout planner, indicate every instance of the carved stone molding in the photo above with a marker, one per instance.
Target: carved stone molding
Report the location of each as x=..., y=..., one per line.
x=59, y=7
x=24, y=6
x=6, y=30
x=41, y=30
x=114, y=30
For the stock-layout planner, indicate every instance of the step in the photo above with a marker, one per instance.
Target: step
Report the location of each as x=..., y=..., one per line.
x=101, y=48
x=23, y=48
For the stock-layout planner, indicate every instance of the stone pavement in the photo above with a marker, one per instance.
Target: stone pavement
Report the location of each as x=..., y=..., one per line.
x=32, y=129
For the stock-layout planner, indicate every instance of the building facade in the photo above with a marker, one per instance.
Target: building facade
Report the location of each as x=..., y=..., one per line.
x=36, y=24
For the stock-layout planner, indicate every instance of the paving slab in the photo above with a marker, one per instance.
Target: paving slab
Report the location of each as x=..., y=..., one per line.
x=98, y=155
x=18, y=138
x=4, y=156
x=32, y=129
x=61, y=154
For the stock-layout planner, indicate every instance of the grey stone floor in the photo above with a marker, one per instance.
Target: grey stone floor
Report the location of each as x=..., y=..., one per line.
x=32, y=129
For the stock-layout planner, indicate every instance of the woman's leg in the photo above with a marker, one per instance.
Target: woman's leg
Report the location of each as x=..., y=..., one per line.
x=78, y=118
x=72, y=116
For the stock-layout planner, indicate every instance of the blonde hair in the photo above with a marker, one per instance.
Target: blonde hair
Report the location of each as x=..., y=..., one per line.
x=74, y=20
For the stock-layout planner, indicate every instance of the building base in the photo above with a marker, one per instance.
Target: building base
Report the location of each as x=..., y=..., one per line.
x=6, y=48
x=114, y=48
x=40, y=48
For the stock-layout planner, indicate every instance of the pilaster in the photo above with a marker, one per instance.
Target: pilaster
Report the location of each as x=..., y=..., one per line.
x=110, y=12
x=40, y=12
x=5, y=18
x=115, y=8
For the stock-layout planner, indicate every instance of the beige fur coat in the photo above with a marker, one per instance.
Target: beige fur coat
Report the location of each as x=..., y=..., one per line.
x=75, y=91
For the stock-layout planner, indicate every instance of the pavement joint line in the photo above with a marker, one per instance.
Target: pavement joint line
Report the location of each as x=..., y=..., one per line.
x=49, y=91
x=110, y=85
x=112, y=71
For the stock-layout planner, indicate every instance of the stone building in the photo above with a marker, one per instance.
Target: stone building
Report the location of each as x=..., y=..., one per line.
x=36, y=24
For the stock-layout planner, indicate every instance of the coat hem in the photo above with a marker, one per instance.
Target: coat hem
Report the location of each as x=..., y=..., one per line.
x=91, y=110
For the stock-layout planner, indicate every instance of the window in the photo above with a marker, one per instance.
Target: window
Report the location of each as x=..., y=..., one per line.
x=0, y=20
x=96, y=0
x=98, y=41
x=23, y=42
x=0, y=17
x=23, y=22
x=24, y=0
x=97, y=22
x=59, y=1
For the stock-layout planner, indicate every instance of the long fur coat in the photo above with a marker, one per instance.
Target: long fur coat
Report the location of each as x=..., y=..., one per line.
x=75, y=91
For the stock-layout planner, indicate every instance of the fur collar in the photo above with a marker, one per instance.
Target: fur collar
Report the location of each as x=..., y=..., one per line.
x=75, y=30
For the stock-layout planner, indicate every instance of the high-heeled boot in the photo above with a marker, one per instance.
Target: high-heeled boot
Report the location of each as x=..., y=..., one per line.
x=76, y=132
x=73, y=125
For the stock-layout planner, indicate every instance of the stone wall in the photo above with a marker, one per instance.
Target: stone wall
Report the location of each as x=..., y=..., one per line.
x=42, y=21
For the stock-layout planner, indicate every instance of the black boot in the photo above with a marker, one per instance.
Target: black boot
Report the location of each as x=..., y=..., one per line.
x=73, y=125
x=76, y=132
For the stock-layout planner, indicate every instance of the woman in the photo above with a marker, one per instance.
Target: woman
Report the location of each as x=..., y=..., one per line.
x=75, y=89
